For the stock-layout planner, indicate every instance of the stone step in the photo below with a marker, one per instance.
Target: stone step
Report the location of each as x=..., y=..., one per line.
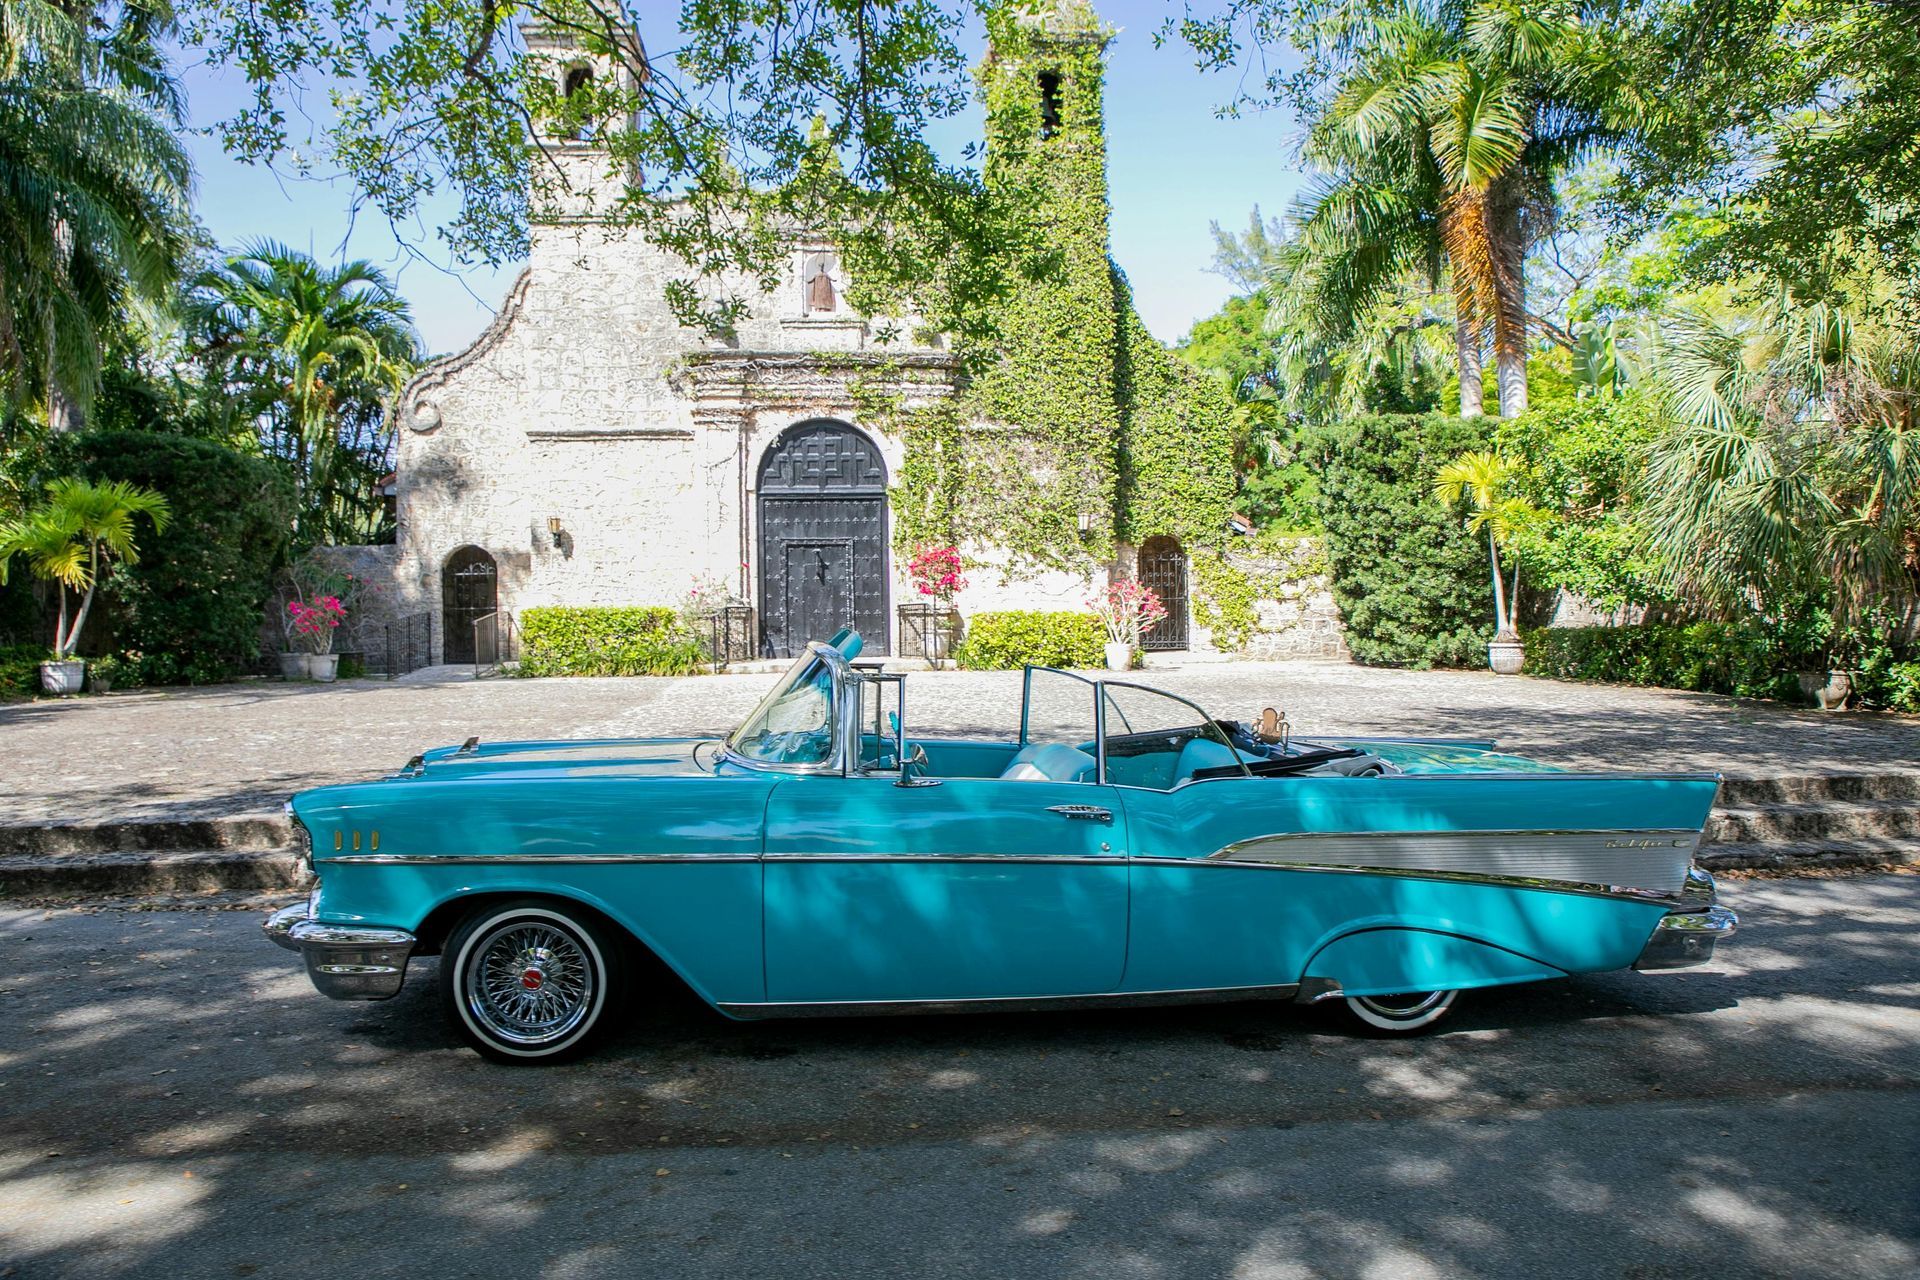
x=1828, y=819
x=124, y=873
x=244, y=832
x=1814, y=788
x=1810, y=855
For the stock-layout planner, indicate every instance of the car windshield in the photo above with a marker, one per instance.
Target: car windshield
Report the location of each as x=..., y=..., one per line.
x=793, y=725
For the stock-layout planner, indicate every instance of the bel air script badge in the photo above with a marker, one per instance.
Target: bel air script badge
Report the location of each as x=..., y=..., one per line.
x=1645, y=844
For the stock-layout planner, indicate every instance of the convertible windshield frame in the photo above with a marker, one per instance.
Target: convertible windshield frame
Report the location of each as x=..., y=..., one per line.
x=1098, y=689
x=839, y=675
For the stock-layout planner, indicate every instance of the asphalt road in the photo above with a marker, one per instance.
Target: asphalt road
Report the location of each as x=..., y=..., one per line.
x=175, y=1100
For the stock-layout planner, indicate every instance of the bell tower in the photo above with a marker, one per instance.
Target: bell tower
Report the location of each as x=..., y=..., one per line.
x=1043, y=83
x=579, y=100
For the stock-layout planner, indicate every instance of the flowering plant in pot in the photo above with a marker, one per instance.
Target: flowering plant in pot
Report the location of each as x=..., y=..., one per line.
x=68, y=539
x=937, y=573
x=314, y=622
x=1128, y=610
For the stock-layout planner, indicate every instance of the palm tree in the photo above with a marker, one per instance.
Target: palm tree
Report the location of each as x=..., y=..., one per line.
x=1479, y=477
x=72, y=536
x=1796, y=471
x=94, y=189
x=318, y=346
x=1442, y=144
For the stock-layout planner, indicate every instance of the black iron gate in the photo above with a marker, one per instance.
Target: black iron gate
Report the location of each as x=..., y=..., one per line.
x=1163, y=571
x=468, y=592
x=823, y=538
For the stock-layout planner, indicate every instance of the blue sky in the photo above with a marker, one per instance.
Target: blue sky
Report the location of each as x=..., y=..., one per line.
x=1173, y=167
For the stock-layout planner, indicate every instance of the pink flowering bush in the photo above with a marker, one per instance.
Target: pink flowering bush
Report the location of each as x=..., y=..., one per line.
x=1128, y=610
x=314, y=621
x=936, y=572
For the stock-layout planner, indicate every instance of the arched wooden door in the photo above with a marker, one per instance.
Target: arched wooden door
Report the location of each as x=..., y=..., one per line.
x=1163, y=571
x=823, y=538
x=469, y=591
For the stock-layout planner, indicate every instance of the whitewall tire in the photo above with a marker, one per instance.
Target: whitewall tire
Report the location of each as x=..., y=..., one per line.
x=1402, y=1013
x=530, y=981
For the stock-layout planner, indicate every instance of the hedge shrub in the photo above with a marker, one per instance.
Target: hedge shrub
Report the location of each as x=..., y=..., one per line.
x=1411, y=583
x=20, y=669
x=1902, y=689
x=189, y=610
x=1707, y=657
x=1008, y=641
x=606, y=641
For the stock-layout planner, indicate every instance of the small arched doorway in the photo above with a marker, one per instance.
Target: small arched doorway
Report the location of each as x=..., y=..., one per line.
x=469, y=591
x=1163, y=571
x=823, y=538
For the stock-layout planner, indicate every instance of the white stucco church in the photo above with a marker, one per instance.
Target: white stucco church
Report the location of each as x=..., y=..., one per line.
x=589, y=449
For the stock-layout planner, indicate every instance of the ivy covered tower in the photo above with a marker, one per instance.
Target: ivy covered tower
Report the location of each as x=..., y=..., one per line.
x=1056, y=477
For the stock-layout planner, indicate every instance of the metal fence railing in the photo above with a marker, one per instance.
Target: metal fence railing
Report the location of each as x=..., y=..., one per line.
x=928, y=630
x=400, y=646
x=731, y=635
x=493, y=639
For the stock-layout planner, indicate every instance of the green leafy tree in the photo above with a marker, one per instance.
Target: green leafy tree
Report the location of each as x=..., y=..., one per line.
x=1793, y=123
x=71, y=537
x=94, y=188
x=317, y=350
x=724, y=122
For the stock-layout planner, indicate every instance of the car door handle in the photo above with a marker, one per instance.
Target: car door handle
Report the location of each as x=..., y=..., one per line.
x=1092, y=811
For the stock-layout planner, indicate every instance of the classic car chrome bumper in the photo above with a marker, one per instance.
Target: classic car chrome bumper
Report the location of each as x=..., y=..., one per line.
x=346, y=962
x=1684, y=938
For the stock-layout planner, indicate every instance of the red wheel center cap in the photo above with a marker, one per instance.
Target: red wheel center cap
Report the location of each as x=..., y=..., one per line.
x=532, y=979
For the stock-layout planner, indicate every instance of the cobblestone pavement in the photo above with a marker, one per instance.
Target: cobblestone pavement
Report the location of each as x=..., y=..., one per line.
x=242, y=748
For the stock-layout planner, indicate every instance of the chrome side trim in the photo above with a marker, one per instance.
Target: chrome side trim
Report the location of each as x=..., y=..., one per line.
x=1536, y=883
x=1654, y=858
x=1044, y=859
x=1006, y=1004
x=535, y=859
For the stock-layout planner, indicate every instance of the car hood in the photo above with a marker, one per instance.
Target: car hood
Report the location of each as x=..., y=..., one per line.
x=624, y=757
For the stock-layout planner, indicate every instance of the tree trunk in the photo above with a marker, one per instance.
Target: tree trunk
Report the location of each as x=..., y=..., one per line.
x=1466, y=341
x=1500, y=623
x=86, y=601
x=1510, y=315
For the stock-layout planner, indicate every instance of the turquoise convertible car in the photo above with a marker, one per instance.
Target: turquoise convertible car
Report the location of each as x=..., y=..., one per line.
x=1123, y=848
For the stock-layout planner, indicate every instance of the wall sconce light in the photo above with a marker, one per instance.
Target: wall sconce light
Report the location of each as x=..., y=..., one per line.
x=1086, y=522
x=553, y=528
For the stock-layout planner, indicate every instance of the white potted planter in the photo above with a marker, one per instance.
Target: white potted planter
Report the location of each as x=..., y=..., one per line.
x=1119, y=655
x=1505, y=654
x=293, y=666
x=62, y=675
x=1828, y=691
x=324, y=667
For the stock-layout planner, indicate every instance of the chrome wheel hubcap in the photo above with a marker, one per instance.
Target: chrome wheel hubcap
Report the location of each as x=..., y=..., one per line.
x=529, y=983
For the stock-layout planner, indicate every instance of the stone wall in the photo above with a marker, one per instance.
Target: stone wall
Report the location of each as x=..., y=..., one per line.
x=1294, y=612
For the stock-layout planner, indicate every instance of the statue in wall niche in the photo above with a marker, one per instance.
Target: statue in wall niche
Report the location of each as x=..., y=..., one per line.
x=820, y=292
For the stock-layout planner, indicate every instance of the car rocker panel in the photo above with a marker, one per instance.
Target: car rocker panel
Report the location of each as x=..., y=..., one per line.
x=821, y=861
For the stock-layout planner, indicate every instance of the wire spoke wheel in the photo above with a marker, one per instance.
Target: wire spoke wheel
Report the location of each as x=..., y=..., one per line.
x=530, y=983
x=527, y=982
x=1402, y=1011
